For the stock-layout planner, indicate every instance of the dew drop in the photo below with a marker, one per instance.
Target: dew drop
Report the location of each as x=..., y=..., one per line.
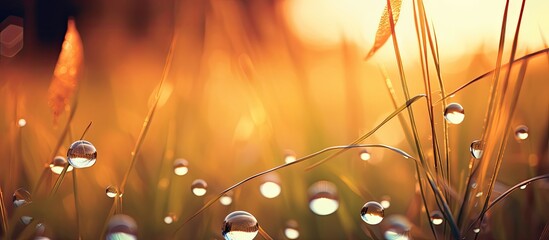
x=372, y=213
x=385, y=201
x=122, y=227
x=454, y=113
x=226, y=199
x=479, y=194
x=474, y=185
x=170, y=218
x=112, y=191
x=180, y=167
x=523, y=186
x=521, y=132
x=58, y=164
x=289, y=156
x=270, y=189
x=476, y=230
x=82, y=154
x=476, y=149
x=292, y=230
x=437, y=218
x=199, y=187
x=323, y=198
x=240, y=225
x=21, y=122
x=21, y=197
x=365, y=155
x=26, y=220
x=398, y=228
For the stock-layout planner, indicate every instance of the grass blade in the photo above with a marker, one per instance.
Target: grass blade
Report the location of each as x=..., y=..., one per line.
x=150, y=114
x=384, y=28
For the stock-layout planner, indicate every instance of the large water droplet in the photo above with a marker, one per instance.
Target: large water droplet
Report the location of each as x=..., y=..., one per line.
x=292, y=229
x=365, y=155
x=58, y=164
x=437, y=218
x=240, y=225
x=82, y=154
x=21, y=197
x=170, y=218
x=289, y=156
x=521, y=132
x=385, y=201
x=121, y=227
x=199, y=187
x=476, y=149
x=323, y=198
x=112, y=191
x=398, y=228
x=180, y=167
x=454, y=113
x=372, y=213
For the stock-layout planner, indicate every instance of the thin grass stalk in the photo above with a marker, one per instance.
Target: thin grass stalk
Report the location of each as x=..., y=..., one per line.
x=367, y=229
x=112, y=211
x=487, y=126
x=503, y=143
x=410, y=110
x=4, y=214
x=58, y=145
x=422, y=46
x=514, y=99
x=150, y=115
x=76, y=204
x=59, y=181
x=506, y=194
x=264, y=234
x=486, y=74
x=408, y=135
x=436, y=61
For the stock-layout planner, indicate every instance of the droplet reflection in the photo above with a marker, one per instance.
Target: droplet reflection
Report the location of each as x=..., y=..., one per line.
x=199, y=187
x=82, y=154
x=240, y=225
x=372, y=213
x=180, y=167
x=454, y=113
x=121, y=226
x=323, y=198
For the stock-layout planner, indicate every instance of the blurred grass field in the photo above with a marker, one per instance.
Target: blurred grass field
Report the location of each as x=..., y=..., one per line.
x=250, y=80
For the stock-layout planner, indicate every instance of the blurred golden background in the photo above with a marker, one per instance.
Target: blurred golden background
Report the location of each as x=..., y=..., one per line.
x=249, y=82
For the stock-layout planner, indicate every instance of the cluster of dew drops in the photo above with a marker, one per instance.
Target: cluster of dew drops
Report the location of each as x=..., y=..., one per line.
x=242, y=225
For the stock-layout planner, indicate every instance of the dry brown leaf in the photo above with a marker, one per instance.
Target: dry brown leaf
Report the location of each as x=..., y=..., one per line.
x=384, y=28
x=67, y=71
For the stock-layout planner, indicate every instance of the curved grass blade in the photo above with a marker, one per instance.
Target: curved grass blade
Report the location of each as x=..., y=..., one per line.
x=363, y=137
x=310, y=156
x=486, y=74
x=384, y=28
x=506, y=194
